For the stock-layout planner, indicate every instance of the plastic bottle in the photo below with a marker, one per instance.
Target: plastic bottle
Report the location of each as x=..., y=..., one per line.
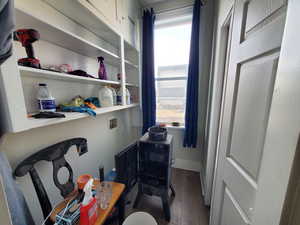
x=89, y=208
x=106, y=97
x=114, y=95
x=128, y=97
x=46, y=102
x=102, y=70
x=119, y=96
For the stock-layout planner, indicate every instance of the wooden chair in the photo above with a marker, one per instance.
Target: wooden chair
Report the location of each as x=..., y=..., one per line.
x=55, y=154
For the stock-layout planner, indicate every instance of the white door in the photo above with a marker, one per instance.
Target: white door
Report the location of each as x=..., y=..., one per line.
x=258, y=27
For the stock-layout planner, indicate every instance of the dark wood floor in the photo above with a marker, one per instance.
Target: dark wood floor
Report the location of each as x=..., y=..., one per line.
x=187, y=208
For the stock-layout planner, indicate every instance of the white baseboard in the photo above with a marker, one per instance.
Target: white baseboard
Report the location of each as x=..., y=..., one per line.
x=187, y=165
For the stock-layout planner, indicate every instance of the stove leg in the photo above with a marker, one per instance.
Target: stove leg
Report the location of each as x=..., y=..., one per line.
x=173, y=193
x=138, y=197
x=121, y=205
x=166, y=205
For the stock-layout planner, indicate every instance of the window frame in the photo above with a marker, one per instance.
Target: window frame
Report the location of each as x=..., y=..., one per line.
x=165, y=22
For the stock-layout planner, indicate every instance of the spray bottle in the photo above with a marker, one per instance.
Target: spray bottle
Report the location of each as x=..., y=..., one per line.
x=89, y=207
x=102, y=70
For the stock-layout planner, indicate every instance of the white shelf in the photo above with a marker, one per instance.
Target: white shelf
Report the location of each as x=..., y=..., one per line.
x=132, y=85
x=72, y=25
x=131, y=65
x=65, y=39
x=82, y=12
x=32, y=72
x=129, y=47
x=35, y=123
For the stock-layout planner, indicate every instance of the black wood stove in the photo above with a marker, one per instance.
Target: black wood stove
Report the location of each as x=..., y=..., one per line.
x=154, y=173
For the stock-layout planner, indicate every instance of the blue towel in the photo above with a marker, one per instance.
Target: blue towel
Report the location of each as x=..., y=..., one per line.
x=78, y=109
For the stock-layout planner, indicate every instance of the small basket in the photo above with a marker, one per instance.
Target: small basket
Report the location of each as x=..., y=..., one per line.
x=157, y=133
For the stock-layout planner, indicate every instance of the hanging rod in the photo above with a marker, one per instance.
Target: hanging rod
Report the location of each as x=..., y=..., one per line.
x=178, y=8
x=173, y=9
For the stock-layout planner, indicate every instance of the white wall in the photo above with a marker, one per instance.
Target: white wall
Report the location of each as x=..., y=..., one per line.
x=185, y=158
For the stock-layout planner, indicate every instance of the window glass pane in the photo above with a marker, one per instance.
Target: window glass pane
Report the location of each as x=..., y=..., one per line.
x=172, y=71
x=171, y=101
x=172, y=46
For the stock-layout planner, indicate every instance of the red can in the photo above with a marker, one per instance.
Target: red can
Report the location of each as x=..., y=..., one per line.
x=89, y=213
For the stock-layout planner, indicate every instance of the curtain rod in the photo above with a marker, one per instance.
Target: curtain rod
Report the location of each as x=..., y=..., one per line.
x=183, y=7
x=170, y=10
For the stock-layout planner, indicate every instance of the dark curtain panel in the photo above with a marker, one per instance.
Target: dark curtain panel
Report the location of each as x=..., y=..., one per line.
x=148, y=81
x=191, y=110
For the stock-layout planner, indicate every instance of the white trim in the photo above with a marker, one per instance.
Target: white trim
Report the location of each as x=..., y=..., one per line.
x=187, y=165
x=181, y=127
x=171, y=78
x=219, y=83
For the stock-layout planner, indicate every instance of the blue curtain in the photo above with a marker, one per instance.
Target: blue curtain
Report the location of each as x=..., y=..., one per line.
x=148, y=80
x=191, y=110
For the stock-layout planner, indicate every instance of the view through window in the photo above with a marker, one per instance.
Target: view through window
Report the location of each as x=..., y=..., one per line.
x=172, y=47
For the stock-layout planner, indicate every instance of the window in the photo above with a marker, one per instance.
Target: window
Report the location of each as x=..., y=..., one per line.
x=172, y=47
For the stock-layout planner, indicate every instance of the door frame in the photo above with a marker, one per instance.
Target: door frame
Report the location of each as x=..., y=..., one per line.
x=216, y=104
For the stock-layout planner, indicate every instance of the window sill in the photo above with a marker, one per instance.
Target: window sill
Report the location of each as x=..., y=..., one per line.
x=175, y=128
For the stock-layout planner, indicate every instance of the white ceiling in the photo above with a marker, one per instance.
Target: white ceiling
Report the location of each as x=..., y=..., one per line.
x=150, y=2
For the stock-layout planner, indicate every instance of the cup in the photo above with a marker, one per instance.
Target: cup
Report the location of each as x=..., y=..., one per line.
x=104, y=194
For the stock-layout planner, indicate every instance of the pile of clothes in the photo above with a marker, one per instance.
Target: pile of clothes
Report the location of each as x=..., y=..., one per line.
x=78, y=104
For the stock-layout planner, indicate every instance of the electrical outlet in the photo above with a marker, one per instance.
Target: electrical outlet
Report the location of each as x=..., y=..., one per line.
x=113, y=123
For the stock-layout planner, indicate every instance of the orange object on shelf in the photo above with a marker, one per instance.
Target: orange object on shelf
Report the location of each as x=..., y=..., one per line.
x=82, y=180
x=91, y=105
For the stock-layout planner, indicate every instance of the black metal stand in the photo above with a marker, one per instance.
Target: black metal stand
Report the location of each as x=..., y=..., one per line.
x=121, y=206
x=154, y=178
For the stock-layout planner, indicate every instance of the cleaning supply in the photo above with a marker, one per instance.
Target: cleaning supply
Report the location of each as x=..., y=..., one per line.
x=119, y=77
x=81, y=182
x=114, y=95
x=102, y=70
x=46, y=102
x=119, y=96
x=89, y=207
x=128, y=97
x=106, y=97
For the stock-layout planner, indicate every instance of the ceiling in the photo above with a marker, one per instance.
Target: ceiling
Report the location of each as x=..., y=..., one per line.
x=150, y=2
